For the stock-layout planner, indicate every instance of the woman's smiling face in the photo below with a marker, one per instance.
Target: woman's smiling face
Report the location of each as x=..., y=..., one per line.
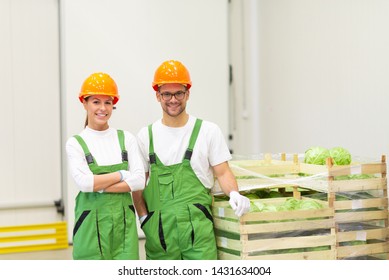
x=99, y=109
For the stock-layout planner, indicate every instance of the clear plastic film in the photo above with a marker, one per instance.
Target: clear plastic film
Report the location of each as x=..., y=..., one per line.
x=305, y=211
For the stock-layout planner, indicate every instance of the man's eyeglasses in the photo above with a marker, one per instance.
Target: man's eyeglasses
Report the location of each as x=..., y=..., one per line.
x=179, y=95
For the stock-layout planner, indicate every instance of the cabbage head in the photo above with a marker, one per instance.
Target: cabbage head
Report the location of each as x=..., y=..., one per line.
x=256, y=206
x=309, y=204
x=340, y=155
x=316, y=155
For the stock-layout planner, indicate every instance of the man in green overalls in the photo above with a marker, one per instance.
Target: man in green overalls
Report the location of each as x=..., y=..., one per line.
x=182, y=155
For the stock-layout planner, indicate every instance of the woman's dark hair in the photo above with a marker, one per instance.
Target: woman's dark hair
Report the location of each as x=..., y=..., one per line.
x=86, y=119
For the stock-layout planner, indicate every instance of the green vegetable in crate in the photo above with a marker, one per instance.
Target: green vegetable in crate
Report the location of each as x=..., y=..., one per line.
x=309, y=204
x=298, y=204
x=362, y=176
x=291, y=203
x=355, y=177
x=256, y=206
x=340, y=155
x=270, y=208
x=264, y=193
x=251, y=196
x=316, y=155
x=275, y=194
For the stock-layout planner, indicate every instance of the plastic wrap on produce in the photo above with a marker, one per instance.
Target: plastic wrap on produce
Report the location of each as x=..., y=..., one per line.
x=274, y=170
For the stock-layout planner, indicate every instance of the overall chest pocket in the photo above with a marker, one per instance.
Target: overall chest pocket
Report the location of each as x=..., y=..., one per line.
x=166, y=186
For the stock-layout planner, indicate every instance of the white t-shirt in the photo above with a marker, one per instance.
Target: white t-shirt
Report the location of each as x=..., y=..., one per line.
x=105, y=148
x=170, y=144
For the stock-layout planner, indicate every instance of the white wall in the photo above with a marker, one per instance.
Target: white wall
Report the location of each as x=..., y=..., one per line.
x=129, y=40
x=323, y=69
x=30, y=165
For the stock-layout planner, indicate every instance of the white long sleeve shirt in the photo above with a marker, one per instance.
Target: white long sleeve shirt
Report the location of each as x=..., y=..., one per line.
x=105, y=148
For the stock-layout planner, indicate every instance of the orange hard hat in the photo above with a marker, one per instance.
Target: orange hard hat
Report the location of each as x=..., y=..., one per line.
x=99, y=84
x=171, y=72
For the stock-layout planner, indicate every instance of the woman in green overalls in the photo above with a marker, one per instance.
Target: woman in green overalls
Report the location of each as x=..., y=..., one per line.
x=106, y=165
x=182, y=155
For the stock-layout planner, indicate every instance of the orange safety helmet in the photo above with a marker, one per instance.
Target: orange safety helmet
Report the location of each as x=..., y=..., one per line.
x=99, y=84
x=171, y=72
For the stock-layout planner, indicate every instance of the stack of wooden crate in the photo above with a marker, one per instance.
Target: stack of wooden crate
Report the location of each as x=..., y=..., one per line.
x=352, y=224
x=360, y=203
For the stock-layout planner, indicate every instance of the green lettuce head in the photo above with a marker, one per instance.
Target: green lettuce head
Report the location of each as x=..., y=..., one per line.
x=340, y=156
x=316, y=155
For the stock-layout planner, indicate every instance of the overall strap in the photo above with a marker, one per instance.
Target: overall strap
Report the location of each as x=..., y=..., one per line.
x=122, y=146
x=193, y=138
x=152, y=157
x=88, y=155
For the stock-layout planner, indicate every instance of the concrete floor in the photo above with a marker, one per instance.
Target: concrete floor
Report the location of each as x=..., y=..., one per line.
x=62, y=254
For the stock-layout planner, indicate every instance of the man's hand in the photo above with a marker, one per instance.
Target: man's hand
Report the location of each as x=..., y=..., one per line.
x=239, y=203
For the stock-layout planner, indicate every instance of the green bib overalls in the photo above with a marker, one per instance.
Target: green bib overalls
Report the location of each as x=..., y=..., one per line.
x=179, y=224
x=105, y=226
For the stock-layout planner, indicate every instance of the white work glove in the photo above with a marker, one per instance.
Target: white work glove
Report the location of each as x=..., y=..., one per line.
x=141, y=219
x=239, y=203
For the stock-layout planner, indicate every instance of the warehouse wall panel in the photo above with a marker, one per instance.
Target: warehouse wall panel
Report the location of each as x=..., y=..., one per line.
x=30, y=145
x=322, y=76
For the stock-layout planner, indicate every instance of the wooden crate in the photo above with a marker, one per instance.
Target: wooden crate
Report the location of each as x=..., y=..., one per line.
x=284, y=235
x=360, y=210
x=361, y=221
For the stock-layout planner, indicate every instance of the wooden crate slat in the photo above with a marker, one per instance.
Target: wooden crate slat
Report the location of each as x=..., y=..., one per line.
x=361, y=203
x=226, y=225
x=357, y=185
x=227, y=256
x=224, y=212
x=313, y=255
x=312, y=169
x=353, y=216
x=370, y=168
x=287, y=215
x=287, y=226
x=228, y=243
x=380, y=233
x=288, y=243
x=264, y=167
x=362, y=250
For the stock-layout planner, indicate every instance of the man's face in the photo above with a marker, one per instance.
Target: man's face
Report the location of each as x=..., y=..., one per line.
x=173, y=98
